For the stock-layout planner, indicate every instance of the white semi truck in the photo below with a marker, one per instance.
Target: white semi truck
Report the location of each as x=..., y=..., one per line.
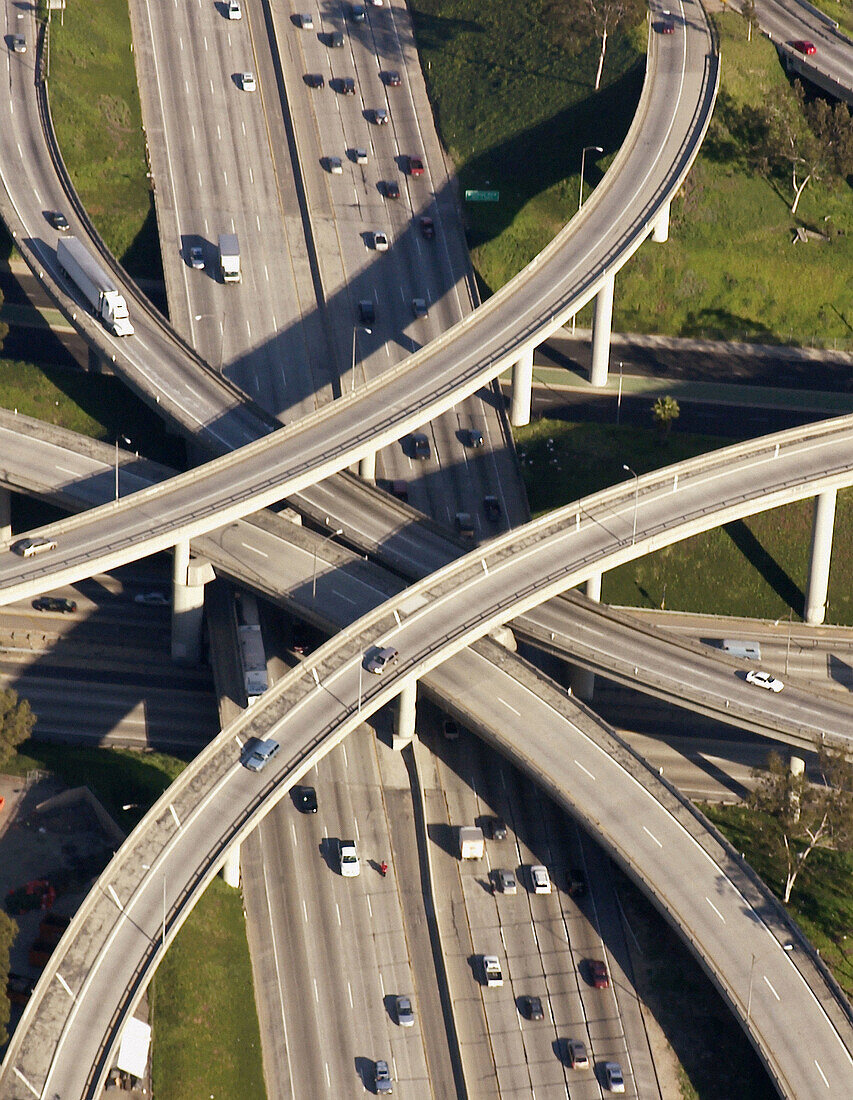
x=100, y=291
x=252, y=655
x=229, y=258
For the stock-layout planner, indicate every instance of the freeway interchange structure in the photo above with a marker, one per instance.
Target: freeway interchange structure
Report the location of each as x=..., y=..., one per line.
x=117, y=939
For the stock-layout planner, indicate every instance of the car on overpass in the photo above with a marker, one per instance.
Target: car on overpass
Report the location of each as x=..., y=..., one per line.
x=598, y=974
x=802, y=45
x=257, y=754
x=380, y=659
x=58, y=220
x=576, y=1054
x=28, y=548
x=613, y=1078
x=55, y=603
x=764, y=680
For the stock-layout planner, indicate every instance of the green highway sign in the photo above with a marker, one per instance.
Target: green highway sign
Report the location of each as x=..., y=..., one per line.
x=482, y=196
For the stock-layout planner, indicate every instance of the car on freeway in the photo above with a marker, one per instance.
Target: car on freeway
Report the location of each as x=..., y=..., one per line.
x=667, y=24
x=357, y=13
x=315, y=80
x=531, y=1007
x=336, y=39
x=376, y=3
x=416, y=166
x=576, y=883
x=380, y=659
x=404, y=1012
x=451, y=729
x=336, y=167
x=197, y=257
x=29, y=548
x=391, y=189
x=257, y=754
x=491, y=970
x=380, y=241
x=764, y=680
x=420, y=445
x=598, y=973
x=539, y=879
x=496, y=828
x=58, y=220
x=234, y=9
x=247, y=82
x=419, y=307
x=804, y=46
x=152, y=599
x=613, y=1077
x=506, y=881
x=427, y=228
x=383, y=1082
x=348, y=859
x=475, y=438
x=380, y=116
x=400, y=489
x=306, y=21
x=55, y=603
x=392, y=78
x=465, y=525
x=347, y=85
x=305, y=799
x=492, y=508
x=360, y=156
x=19, y=43
x=366, y=311
x=576, y=1054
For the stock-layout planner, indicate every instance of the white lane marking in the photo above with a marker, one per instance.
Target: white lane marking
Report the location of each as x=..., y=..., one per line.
x=585, y=770
x=820, y=1071
x=174, y=815
x=716, y=910
x=267, y=277
x=342, y=596
x=654, y=838
x=338, y=912
x=251, y=176
x=316, y=991
x=349, y=991
x=65, y=470
x=304, y=911
x=21, y=1077
x=114, y=895
x=254, y=549
x=508, y=707
x=65, y=986
x=770, y=987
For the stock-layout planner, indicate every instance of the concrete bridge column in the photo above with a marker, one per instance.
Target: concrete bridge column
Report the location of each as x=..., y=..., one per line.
x=406, y=712
x=189, y=576
x=5, y=514
x=522, y=385
x=601, y=327
x=821, y=553
x=231, y=867
x=367, y=467
x=582, y=680
x=660, y=230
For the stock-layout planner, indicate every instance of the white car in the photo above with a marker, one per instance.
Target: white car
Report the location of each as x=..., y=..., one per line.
x=348, y=859
x=539, y=879
x=247, y=82
x=613, y=1077
x=763, y=680
x=336, y=166
x=28, y=548
x=306, y=21
x=380, y=242
x=152, y=599
x=492, y=973
x=234, y=9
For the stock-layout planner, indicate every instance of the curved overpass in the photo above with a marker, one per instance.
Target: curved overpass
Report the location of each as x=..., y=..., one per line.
x=112, y=944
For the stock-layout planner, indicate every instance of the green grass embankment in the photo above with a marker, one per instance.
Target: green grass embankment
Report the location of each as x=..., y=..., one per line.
x=755, y=567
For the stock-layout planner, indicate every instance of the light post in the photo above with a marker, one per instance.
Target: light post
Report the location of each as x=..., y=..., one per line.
x=369, y=332
x=127, y=441
x=749, y=995
x=636, y=478
x=339, y=531
x=619, y=395
x=586, y=149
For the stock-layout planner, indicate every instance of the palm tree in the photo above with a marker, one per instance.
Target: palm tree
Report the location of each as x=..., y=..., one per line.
x=665, y=410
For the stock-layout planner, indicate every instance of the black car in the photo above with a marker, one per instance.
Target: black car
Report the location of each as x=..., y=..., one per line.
x=420, y=445
x=532, y=1008
x=427, y=228
x=497, y=828
x=347, y=86
x=55, y=603
x=492, y=508
x=315, y=80
x=576, y=883
x=366, y=312
x=58, y=220
x=392, y=78
x=305, y=799
x=391, y=189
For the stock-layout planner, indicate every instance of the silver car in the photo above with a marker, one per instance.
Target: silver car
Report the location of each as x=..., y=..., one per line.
x=380, y=659
x=404, y=1012
x=382, y=1080
x=506, y=881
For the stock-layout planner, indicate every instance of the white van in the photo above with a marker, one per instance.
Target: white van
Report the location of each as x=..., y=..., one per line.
x=750, y=651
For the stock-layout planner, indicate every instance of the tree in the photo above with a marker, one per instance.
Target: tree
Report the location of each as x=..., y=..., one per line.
x=8, y=931
x=807, y=815
x=604, y=17
x=16, y=723
x=748, y=12
x=665, y=410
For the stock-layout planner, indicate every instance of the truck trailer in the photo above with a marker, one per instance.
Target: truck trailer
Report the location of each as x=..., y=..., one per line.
x=252, y=655
x=95, y=284
x=471, y=843
x=229, y=258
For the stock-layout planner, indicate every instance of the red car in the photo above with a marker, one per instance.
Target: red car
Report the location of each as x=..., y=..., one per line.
x=598, y=973
x=416, y=166
x=391, y=188
x=667, y=26
x=804, y=46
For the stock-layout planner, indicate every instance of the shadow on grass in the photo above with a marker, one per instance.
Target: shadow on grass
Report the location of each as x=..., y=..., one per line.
x=767, y=566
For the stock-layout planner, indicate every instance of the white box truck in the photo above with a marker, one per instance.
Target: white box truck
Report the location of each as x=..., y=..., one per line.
x=100, y=291
x=229, y=258
x=471, y=843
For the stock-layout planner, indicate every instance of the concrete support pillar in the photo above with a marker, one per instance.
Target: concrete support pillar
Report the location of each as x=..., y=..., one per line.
x=522, y=386
x=660, y=230
x=189, y=576
x=582, y=680
x=367, y=467
x=406, y=712
x=231, y=867
x=601, y=326
x=821, y=553
x=5, y=514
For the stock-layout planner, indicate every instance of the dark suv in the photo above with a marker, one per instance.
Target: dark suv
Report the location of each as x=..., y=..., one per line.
x=55, y=603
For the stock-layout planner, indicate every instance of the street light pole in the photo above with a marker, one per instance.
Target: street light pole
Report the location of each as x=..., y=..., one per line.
x=636, y=478
x=369, y=332
x=124, y=440
x=339, y=531
x=586, y=149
